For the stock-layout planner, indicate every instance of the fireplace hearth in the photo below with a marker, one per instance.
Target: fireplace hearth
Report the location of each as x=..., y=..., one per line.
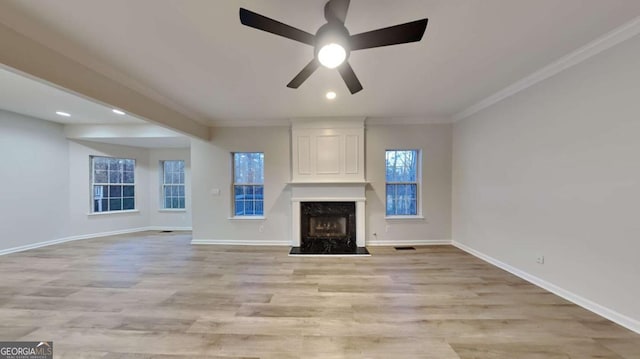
x=328, y=227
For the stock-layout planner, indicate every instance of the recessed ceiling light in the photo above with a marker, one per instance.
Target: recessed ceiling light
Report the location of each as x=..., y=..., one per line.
x=331, y=95
x=60, y=113
x=115, y=110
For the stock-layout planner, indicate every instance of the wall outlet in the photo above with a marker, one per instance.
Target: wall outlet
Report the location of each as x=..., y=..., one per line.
x=540, y=259
x=386, y=228
x=261, y=228
x=215, y=191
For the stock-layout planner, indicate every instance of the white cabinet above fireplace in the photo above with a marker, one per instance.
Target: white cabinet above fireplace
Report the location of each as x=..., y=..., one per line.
x=327, y=151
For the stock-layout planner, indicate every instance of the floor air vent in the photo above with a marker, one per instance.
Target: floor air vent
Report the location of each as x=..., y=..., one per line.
x=166, y=231
x=405, y=248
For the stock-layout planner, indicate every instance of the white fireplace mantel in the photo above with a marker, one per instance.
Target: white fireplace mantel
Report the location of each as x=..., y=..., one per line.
x=327, y=165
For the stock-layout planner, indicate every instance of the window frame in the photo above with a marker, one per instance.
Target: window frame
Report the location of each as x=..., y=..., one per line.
x=234, y=215
x=417, y=183
x=93, y=184
x=164, y=184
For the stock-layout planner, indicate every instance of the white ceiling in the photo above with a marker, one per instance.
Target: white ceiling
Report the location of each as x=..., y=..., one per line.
x=27, y=96
x=197, y=55
x=30, y=97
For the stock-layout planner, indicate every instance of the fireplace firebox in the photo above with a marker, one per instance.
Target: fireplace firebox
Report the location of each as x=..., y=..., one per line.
x=328, y=227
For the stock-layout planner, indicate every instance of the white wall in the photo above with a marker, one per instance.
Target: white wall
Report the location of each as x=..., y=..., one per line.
x=435, y=143
x=81, y=221
x=168, y=219
x=33, y=181
x=554, y=171
x=45, y=186
x=211, y=169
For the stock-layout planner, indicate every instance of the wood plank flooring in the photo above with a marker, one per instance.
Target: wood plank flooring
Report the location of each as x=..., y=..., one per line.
x=153, y=295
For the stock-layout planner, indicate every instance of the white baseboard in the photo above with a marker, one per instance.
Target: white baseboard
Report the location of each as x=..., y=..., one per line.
x=89, y=236
x=69, y=239
x=411, y=242
x=425, y=242
x=585, y=303
x=165, y=228
x=235, y=242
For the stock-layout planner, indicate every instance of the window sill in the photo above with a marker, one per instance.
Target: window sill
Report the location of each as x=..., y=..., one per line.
x=179, y=210
x=247, y=218
x=113, y=212
x=402, y=218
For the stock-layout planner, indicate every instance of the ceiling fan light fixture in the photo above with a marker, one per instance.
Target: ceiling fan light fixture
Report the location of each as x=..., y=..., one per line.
x=332, y=55
x=332, y=43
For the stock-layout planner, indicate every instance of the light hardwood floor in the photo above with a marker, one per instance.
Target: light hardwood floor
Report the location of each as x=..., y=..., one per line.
x=154, y=295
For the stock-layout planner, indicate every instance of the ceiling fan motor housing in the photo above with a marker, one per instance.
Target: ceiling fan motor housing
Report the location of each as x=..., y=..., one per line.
x=332, y=33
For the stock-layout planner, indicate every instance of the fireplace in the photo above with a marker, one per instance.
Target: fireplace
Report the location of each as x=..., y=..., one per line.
x=328, y=218
x=328, y=186
x=328, y=227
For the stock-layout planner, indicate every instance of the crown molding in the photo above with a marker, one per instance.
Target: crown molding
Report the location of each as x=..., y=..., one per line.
x=427, y=120
x=610, y=39
x=373, y=121
x=250, y=123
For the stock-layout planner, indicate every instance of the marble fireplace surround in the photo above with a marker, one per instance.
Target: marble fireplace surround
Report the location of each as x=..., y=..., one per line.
x=328, y=192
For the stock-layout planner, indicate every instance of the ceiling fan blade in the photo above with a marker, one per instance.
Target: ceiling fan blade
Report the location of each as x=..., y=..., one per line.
x=336, y=9
x=260, y=22
x=393, y=35
x=303, y=75
x=349, y=77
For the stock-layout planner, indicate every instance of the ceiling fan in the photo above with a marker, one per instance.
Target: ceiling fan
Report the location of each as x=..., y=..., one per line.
x=332, y=42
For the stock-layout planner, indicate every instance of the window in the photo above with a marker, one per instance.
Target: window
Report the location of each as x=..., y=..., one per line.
x=402, y=182
x=173, y=184
x=113, y=184
x=248, y=183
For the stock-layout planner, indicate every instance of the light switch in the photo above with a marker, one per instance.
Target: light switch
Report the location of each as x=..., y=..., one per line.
x=215, y=192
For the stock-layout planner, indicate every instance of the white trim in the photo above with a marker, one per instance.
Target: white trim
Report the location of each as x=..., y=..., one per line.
x=403, y=217
x=69, y=239
x=410, y=242
x=247, y=218
x=326, y=183
x=165, y=228
x=608, y=40
x=241, y=242
x=395, y=121
x=417, y=182
x=374, y=121
x=327, y=122
x=113, y=212
x=172, y=210
x=90, y=236
x=328, y=199
x=278, y=122
x=585, y=303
